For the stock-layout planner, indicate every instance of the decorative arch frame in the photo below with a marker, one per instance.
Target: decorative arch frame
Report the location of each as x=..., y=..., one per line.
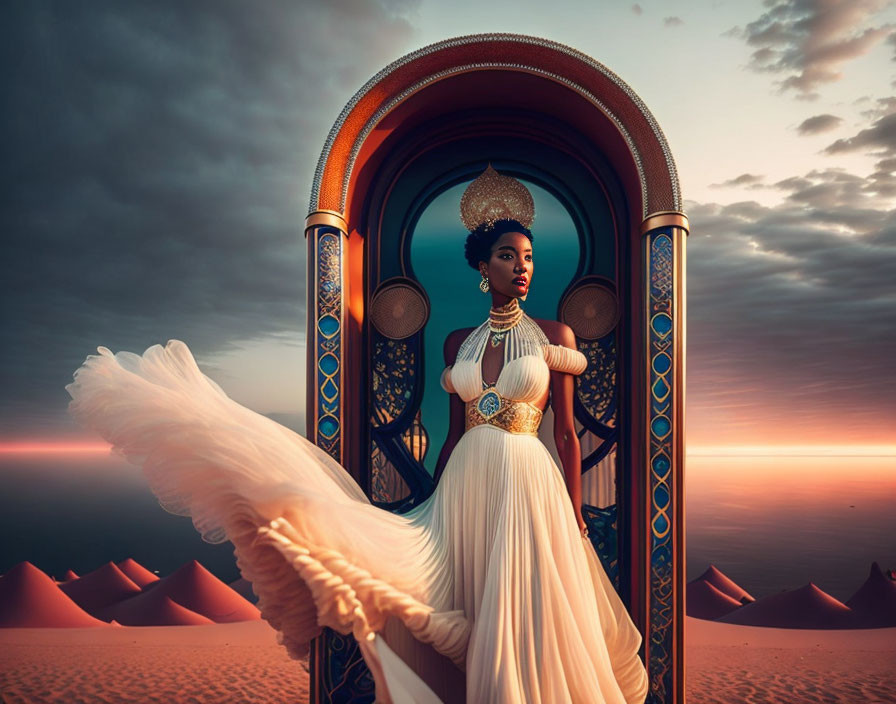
x=533, y=83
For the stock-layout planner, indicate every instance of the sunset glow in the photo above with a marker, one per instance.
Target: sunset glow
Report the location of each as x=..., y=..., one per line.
x=66, y=447
x=50, y=447
x=791, y=450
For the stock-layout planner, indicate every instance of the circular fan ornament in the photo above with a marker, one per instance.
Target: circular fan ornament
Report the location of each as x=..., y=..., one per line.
x=591, y=309
x=399, y=308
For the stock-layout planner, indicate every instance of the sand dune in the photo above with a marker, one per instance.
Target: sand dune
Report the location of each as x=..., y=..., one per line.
x=190, y=596
x=152, y=608
x=874, y=603
x=725, y=584
x=234, y=663
x=714, y=596
x=69, y=576
x=806, y=607
x=194, y=587
x=137, y=573
x=31, y=599
x=100, y=588
x=704, y=600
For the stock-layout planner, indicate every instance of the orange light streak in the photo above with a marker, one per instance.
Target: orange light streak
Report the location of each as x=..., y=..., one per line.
x=53, y=448
x=817, y=450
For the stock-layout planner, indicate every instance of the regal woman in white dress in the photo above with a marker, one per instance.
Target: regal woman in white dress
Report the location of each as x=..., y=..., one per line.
x=493, y=570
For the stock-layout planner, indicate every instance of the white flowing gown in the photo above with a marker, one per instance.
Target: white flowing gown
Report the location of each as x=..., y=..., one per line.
x=491, y=570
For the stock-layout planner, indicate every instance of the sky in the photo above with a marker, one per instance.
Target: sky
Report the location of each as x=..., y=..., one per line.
x=158, y=161
x=156, y=173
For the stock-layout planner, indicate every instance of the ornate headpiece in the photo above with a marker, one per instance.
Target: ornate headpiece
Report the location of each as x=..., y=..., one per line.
x=494, y=197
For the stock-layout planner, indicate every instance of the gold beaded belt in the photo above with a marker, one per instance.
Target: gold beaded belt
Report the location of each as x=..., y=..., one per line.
x=518, y=417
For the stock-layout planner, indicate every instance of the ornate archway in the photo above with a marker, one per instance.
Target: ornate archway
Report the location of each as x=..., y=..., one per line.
x=547, y=113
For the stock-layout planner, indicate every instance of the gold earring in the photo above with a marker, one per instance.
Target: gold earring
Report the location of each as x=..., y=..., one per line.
x=483, y=285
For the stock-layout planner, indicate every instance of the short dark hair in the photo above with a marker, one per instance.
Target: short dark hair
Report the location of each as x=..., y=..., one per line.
x=478, y=247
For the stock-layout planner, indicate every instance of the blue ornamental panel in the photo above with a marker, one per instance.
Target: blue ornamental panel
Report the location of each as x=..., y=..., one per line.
x=341, y=675
x=328, y=340
x=661, y=364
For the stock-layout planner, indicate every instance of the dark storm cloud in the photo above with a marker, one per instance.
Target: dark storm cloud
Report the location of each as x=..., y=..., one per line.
x=807, y=323
x=157, y=164
x=807, y=41
x=818, y=124
x=750, y=180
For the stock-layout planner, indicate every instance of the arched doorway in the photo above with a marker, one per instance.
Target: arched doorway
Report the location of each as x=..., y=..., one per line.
x=557, y=119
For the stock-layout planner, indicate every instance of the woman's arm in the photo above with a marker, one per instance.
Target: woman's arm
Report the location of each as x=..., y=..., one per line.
x=456, y=419
x=568, y=447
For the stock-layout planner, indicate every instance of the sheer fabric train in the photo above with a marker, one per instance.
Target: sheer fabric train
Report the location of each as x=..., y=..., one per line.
x=490, y=570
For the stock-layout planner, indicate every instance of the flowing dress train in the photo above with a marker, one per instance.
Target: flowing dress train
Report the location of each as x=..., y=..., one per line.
x=491, y=570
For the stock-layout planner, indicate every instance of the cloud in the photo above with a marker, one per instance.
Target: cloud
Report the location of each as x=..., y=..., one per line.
x=792, y=308
x=637, y=9
x=881, y=135
x=879, y=140
x=156, y=172
x=750, y=180
x=792, y=312
x=807, y=42
x=883, y=180
x=672, y=21
x=818, y=124
x=880, y=108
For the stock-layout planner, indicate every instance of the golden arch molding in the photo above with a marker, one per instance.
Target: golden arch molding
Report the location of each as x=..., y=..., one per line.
x=545, y=112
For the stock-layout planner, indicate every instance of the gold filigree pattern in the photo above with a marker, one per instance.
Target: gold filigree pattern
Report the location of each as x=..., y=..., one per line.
x=597, y=385
x=517, y=417
x=392, y=380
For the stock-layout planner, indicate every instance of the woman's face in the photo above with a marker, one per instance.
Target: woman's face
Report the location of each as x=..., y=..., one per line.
x=509, y=269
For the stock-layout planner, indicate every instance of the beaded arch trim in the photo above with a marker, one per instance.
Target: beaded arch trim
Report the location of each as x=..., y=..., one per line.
x=477, y=38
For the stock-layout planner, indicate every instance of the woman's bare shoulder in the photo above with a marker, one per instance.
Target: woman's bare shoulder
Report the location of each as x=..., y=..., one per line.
x=453, y=342
x=557, y=333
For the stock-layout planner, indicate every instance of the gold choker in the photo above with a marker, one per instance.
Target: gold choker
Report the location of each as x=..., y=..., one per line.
x=502, y=319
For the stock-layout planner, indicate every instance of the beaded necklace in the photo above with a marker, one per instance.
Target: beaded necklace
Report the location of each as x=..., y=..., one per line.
x=503, y=319
x=522, y=336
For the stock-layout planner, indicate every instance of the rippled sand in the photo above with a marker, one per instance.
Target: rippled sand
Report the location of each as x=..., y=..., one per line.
x=241, y=662
x=235, y=662
x=731, y=664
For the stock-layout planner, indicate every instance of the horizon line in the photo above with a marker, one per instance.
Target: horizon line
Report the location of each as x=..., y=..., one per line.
x=857, y=450
x=41, y=447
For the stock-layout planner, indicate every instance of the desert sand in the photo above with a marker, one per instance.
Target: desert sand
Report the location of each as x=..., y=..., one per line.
x=733, y=664
x=241, y=662
x=217, y=664
x=91, y=661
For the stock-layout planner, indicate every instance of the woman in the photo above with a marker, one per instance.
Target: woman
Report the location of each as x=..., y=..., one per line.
x=492, y=570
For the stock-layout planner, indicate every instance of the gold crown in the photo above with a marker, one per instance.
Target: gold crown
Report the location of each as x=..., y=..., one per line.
x=494, y=197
